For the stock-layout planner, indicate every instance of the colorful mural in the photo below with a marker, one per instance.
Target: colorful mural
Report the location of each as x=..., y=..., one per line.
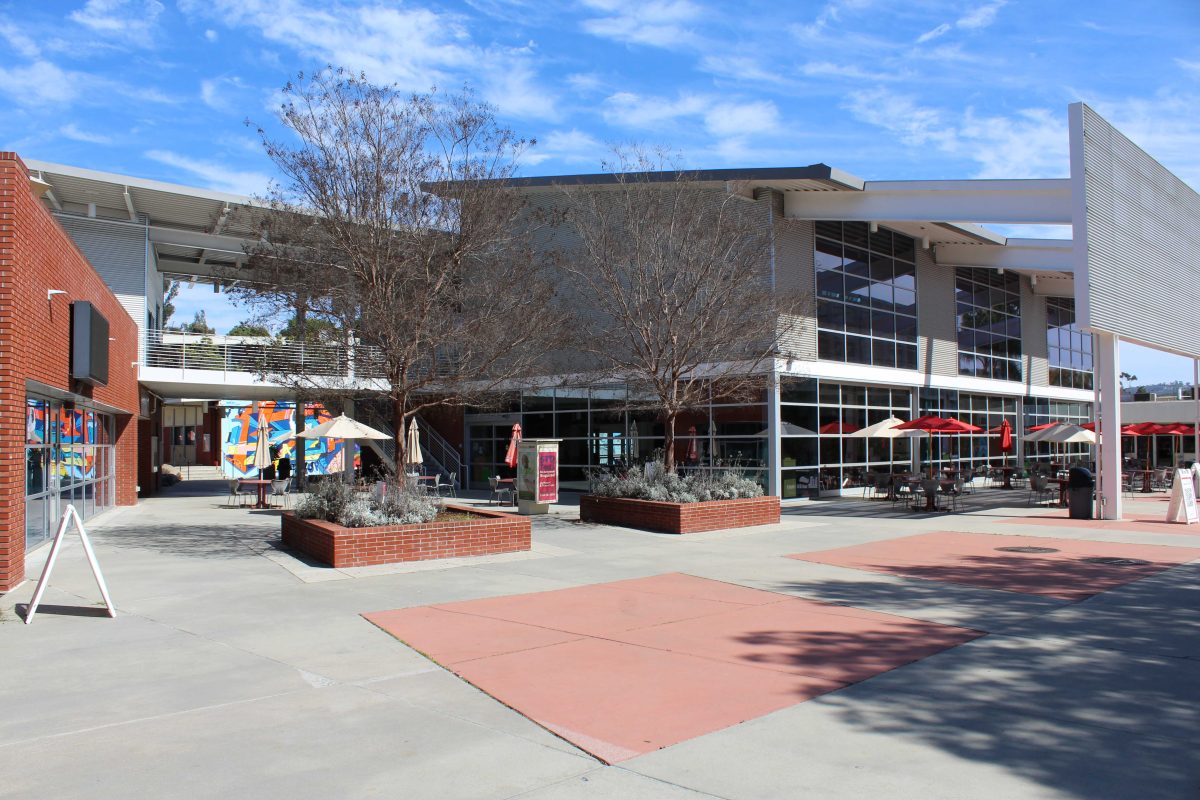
x=240, y=431
x=72, y=438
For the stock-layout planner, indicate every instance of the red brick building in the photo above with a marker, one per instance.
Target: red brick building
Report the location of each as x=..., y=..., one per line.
x=62, y=439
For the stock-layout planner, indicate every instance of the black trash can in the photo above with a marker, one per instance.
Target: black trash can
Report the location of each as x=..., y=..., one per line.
x=1080, y=486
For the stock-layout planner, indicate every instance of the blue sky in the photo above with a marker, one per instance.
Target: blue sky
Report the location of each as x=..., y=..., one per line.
x=884, y=90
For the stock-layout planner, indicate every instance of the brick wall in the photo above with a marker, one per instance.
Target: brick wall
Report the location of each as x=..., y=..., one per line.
x=679, y=517
x=36, y=254
x=489, y=533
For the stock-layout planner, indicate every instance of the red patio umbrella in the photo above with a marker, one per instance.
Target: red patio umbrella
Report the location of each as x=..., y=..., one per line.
x=510, y=457
x=1006, y=438
x=931, y=424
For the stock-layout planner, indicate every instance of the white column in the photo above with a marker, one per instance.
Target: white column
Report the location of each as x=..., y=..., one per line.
x=774, y=461
x=1108, y=407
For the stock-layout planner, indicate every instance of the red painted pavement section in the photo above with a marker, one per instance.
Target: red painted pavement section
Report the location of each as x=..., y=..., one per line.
x=625, y=668
x=971, y=559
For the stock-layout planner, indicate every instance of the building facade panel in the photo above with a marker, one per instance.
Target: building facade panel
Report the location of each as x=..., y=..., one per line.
x=56, y=434
x=937, y=332
x=117, y=251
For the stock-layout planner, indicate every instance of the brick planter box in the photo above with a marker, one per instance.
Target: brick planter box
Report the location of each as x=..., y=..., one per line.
x=489, y=533
x=649, y=515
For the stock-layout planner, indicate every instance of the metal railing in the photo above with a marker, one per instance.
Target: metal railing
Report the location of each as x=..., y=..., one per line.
x=259, y=355
x=444, y=454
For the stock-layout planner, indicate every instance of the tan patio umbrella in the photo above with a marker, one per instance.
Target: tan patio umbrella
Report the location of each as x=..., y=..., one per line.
x=342, y=427
x=412, y=447
x=885, y=429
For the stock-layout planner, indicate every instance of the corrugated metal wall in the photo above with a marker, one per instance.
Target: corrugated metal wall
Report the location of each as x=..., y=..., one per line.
x=1142, y=240
x=937, y=329
x=1034, y=351
x=118, y=252
x=795, y=271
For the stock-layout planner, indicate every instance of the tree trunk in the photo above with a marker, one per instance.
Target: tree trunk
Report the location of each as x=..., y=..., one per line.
x=669, y=442
x=398, y=433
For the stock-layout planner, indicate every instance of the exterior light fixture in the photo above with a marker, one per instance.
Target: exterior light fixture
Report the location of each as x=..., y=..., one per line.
x=51, y=292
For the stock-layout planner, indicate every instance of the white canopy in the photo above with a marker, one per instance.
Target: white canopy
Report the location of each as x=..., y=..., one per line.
x=885, y=429
x=342, y=427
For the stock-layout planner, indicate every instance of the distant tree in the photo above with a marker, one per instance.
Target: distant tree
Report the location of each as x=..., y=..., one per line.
x=392, y=221
x=313, y=329
x=168, y=307
x=246, y=328
x=670, y=287
x=199, y=324
x=1127, y=378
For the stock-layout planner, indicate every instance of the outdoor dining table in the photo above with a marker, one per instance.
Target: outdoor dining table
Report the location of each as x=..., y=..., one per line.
x=1008, y=473
x=930, y=500
x=261, y=485
x=1062, y=489
x=1147, y=474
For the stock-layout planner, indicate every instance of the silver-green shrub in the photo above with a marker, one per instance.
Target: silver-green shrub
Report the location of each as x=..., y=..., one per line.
x=400, y=504
x=657, y=484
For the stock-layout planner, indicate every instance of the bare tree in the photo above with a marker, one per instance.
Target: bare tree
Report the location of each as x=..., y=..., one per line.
x=672, y=285
x=392, y=222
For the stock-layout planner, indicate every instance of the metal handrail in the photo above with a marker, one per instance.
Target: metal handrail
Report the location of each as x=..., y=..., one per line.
x=256, y=354
x=434, y=445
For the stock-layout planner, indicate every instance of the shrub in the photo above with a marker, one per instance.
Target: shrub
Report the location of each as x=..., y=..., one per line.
x=658, y=485
x=335, y=501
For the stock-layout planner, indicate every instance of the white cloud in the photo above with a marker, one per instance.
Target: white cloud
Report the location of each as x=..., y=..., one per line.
x=210, y=35
x=742, y=68
x=940, y=30
x=213, y=92
x=827, y=69
x=18, y=40
x=132, y=21
x=831, y=12
x=72, y=131
x=415, y=48
x=976, y=19
x=727, y=120
x=214, y=176
x=658, y=23
x=980, y=17
x=1191, y=67
x=570, y=147
x=630, y=110
x=41, y=83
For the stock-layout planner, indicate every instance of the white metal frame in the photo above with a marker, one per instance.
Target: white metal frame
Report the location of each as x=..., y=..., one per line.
x=44, y=581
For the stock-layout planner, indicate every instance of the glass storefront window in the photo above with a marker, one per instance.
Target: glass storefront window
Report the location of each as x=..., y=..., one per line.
x=68, y=459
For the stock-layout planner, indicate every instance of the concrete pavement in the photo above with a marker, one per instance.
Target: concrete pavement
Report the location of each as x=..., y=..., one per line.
x=234, y=669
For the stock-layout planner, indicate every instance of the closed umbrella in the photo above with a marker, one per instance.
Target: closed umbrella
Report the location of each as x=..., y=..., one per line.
x=262, y=450
x=412, y=446
x=1006, y=439
x=510, y=457
x=692, y=455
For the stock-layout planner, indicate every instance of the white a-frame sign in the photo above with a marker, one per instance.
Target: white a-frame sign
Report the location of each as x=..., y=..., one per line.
x=1183, y=499
x=44, y=581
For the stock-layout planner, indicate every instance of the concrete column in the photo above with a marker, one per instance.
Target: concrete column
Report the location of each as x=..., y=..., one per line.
x=348, y=447
x=774, y=459
x=1108, y=407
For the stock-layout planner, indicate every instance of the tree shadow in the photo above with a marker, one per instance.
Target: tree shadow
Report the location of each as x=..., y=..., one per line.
x=1089, y=699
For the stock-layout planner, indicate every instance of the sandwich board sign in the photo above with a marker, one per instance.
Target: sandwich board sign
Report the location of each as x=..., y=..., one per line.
x=69, y=514
x=1183, y=499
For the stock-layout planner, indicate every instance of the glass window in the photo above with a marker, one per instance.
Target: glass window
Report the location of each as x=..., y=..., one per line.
x=1070, y=349
x=989, y=323
x=866, y=290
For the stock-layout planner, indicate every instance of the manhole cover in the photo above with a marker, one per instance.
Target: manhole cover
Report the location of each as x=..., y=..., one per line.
x=1027, y=549
x=1112, y=561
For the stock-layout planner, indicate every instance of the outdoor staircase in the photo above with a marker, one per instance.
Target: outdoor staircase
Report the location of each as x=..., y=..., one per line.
x=200, y=473
x=439, y=454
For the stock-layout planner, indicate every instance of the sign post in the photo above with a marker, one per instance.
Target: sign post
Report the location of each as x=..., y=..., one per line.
x=537, y=475
x=44, y=581
x=1183, y=499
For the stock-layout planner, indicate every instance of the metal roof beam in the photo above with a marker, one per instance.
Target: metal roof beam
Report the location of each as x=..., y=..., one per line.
x=1035, y=202
x=200, y=240
x=133, y=217
x=1049, y=255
